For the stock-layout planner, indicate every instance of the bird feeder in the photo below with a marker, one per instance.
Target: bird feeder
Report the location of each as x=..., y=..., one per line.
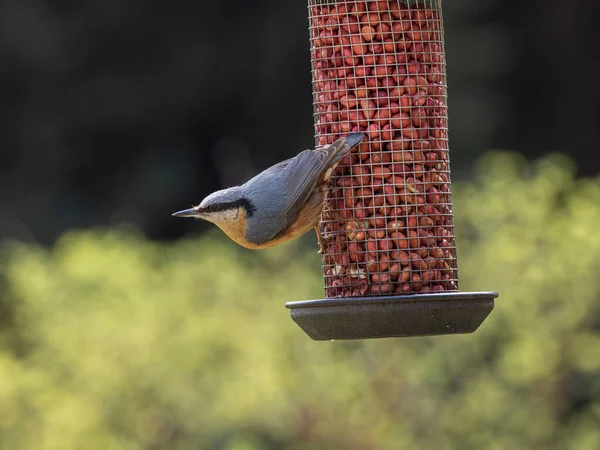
x=389, y=259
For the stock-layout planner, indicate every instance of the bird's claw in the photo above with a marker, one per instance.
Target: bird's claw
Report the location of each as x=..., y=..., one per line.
x=322, y=238
x=321, y=249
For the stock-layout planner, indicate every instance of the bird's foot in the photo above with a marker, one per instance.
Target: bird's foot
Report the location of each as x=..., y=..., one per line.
x=322, y=238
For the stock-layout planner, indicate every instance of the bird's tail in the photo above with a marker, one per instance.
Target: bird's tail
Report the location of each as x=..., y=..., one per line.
x=339, y=148
x=353, y=139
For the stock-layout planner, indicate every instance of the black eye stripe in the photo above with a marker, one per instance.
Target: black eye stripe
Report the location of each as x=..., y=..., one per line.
x=243, y=202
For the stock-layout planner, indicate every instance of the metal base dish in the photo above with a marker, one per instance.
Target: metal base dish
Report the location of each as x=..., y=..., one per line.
x=393, y=316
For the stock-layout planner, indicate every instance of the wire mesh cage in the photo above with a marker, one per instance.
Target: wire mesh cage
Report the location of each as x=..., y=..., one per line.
x=379, y=67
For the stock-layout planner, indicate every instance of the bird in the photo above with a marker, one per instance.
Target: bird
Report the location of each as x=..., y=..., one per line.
x=279, y=204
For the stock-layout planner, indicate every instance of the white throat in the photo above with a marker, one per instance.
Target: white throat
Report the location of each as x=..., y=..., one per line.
x=228, y=215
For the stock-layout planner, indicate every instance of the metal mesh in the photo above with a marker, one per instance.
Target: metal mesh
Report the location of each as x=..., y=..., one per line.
x=379, y=67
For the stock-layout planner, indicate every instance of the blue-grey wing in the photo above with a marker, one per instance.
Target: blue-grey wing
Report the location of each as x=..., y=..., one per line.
x=289, y=184
x=281, y=191
x=300, y=177
x=303, y=172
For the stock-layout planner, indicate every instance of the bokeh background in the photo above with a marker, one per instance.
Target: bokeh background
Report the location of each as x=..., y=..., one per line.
x=123, y=328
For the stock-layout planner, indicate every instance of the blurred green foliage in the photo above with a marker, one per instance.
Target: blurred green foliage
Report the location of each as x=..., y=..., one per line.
x=112, y=342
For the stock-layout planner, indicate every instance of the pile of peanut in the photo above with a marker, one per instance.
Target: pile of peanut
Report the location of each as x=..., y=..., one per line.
x=379, y=67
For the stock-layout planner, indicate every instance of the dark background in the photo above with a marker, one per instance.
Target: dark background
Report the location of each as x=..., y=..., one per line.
x=124, y=111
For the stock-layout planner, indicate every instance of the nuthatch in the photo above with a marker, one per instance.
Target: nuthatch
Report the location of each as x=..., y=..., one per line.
x=280, y=203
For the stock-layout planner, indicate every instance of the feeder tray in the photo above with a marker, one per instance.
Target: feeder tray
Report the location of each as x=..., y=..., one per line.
x=397, y=316
x=389, y=254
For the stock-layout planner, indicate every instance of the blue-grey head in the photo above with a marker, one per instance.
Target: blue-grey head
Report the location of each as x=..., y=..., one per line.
x=221, y=207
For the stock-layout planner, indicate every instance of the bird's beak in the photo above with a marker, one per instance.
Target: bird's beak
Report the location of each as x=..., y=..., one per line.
x=186, y=213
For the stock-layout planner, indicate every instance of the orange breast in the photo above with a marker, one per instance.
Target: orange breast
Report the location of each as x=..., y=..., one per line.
x=237, y=231
x=307, y=218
